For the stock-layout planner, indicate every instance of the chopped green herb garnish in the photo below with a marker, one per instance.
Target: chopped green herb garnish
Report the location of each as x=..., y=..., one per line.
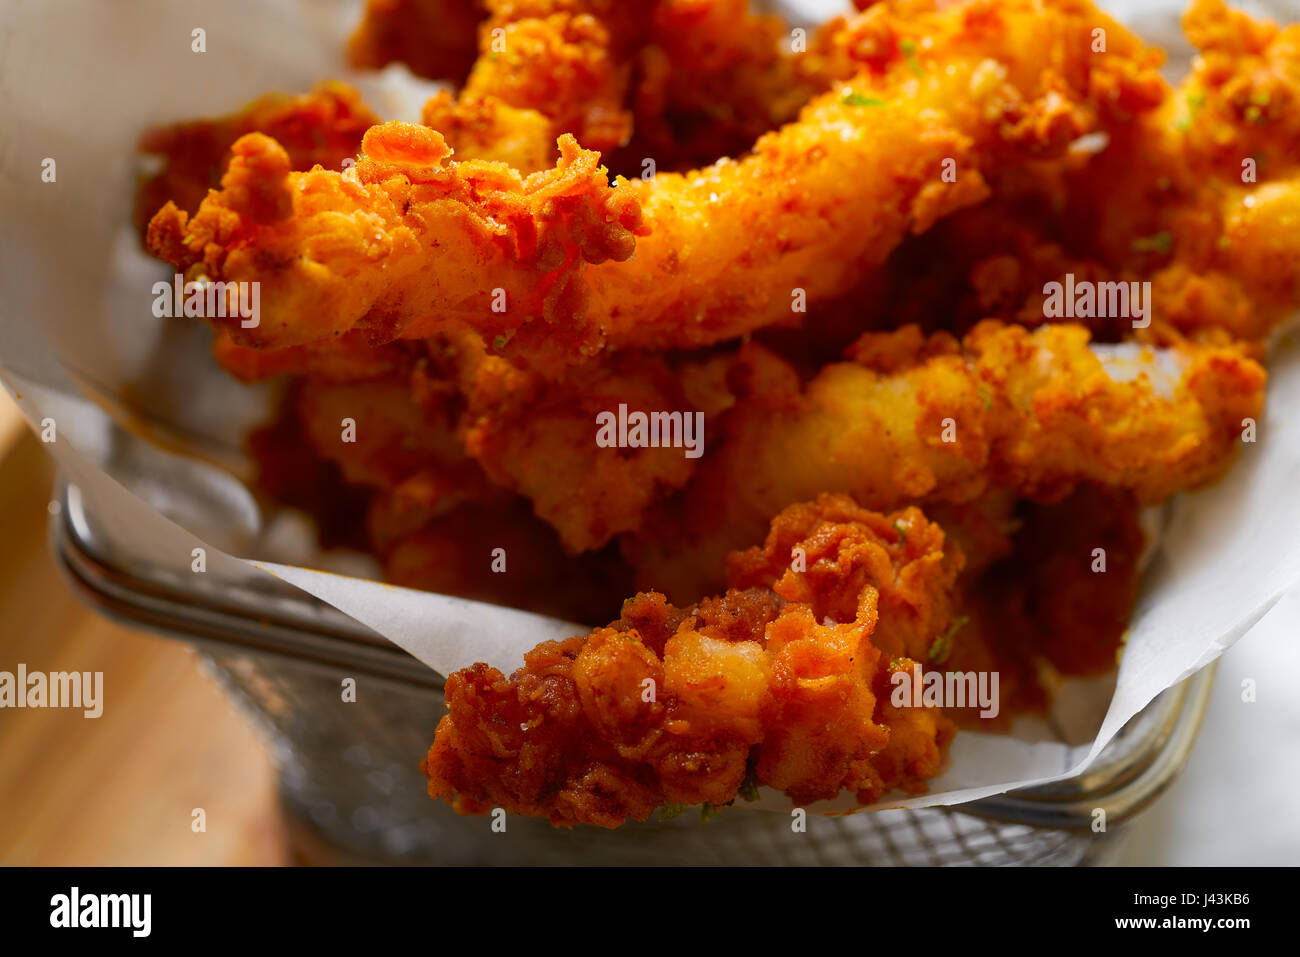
x=909, y=54
x=669, y=811
x=749, y=787
x=943, y=644
x=1195, y=102
x=902, y=533
x=939, y=649
x=709, y=811
x=1159, y=243
x=857, y=99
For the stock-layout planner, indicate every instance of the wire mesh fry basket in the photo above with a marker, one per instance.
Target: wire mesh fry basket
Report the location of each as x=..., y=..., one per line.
x=353, y=792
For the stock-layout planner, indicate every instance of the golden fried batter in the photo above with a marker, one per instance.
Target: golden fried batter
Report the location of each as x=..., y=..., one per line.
x=933, y=421
x=437, y=39
x=680, y=706
x=524, y=239
x=1202, y=194
x=323, y=127
x=408, y=240
x=840, y=260
x=537, y=438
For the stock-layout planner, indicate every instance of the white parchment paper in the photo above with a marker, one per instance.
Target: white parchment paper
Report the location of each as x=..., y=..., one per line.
x=80, y=347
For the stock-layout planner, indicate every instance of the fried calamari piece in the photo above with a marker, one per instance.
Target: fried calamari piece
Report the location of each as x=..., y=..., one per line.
x=495, y=552
x=353, y=251
x=563, y=59
x=1202, y=194
x=682, y=706
x=1198, y=196
x=485, y=128
x=824, y=553
x=538, y=436
x=1242, y=97
x=377, y=434
x=545, y=68
x=349, y=358
x=937, y=421
x=442, y=422
x=1058, y=603
x=827, y=197
x=437, y=39
x=712, y=79
x=1231, y=271
x=1074, y=578
x=688, y=80
x=323, y=127
x=379, y=465
x=390, y=245
x=288, y=472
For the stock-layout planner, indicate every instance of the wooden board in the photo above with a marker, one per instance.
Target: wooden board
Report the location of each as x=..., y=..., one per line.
x=121, y=788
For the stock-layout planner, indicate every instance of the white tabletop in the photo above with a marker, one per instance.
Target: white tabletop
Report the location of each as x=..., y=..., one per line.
x=1238, y=799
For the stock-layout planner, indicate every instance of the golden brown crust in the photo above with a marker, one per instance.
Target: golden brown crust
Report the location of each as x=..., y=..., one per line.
x=323, y=127
x=1034, y=413
x=437, y=39
x=351, y=250
x=390, y=248
x=1031, y=441
x=676, y=706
